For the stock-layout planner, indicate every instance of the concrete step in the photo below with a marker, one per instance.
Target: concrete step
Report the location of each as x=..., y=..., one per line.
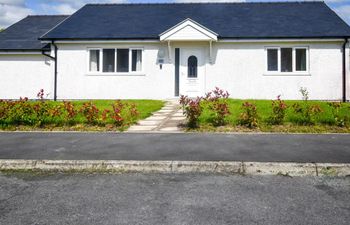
x=141, y=128
x=155, y=118
x=149, y=122
x=170, y=129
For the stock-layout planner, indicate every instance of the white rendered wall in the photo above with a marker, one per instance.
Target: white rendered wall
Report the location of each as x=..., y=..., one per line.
x=74, y=82
x=237, y=67
x=25, y=75
x=240, y=69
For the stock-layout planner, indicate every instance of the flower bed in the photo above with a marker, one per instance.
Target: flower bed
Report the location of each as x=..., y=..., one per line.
x=74, y=115
x=223, y=114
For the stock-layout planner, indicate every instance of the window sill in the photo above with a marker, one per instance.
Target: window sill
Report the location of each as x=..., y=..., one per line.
x=305, y=74
x=116, y=74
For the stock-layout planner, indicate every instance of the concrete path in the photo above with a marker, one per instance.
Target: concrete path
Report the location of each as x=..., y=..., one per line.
x=168, y=119
x=331, y=148
x=172, y=199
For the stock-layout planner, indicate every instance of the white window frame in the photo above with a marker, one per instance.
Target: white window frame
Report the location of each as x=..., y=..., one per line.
x=130, y=60
x=295, y=59
x=294, y=72
x=100, y=72
x=88, y=60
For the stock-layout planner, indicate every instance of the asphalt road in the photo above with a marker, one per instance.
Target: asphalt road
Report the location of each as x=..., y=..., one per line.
x=334, y=148
x=172, y=199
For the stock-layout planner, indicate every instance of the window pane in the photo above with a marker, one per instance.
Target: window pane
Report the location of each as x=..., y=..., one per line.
x=94, y=65
x=108, y=60
x=192, y=66
x=136, y=60
x=272, y=60
x=286, y=60
x=123, y=60
x=300, y=59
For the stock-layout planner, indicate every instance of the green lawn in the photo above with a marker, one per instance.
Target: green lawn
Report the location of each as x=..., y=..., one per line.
x=323, y=123
x=79, y=123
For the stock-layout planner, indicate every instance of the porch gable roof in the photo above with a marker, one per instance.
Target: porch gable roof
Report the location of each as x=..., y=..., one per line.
x=188, y=30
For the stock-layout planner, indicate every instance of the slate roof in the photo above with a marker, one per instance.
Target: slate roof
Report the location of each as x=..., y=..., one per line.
x=229, y=20
x=24, y=35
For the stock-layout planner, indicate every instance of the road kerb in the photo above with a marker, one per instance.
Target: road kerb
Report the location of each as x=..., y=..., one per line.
x=333, y=169
x=275, y=168
x=220, y=167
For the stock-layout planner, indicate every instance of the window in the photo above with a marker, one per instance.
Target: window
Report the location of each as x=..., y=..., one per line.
x=111, y=60
x=272, y=59
x=287, y=60
x=192, y=66
x=136, y=60
x=123, y=60
x=94, y=65
x=108, y=60
x=300, y=58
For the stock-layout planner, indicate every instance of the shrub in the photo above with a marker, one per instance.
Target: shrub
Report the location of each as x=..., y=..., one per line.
x=279, y=108
x=21, y=113
x=131, y=113
x=90, y=112
x=216, y=94
x=42, y=112
x=70, y=111
x=5, y=107
x=105, y=115
x=339, y=119
x=116, y=113
x=217, y=103
x=25, y=112
x=192, y=110
x=305, y=93
x=249, y=116
x=55, y=111
x=40, y=94
x=307, y=113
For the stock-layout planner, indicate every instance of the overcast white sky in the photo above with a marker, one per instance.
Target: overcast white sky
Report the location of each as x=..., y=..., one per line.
x=12, y=11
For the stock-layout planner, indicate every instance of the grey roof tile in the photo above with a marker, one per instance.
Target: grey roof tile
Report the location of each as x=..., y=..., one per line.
x=24, y=35
x=229, y=20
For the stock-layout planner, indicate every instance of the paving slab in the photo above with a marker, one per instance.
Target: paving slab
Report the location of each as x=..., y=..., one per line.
x=178, y=114
x=169, y=129
x=149, y=123
x=165, y=111
x=162, y=119
x=141, y=128
x=163, y=115
x=178, y=118
x=156, y=118
x=168, y=108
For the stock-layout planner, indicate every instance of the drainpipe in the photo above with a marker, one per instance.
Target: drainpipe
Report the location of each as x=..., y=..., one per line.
x=344, y=69
x=55, y=60
x=55, y=80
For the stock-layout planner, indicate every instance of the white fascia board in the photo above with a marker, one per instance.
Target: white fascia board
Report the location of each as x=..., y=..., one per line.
x=222, y=41
x=188, y=22
x=280, y=40
x=19, y=53
x=102, y=41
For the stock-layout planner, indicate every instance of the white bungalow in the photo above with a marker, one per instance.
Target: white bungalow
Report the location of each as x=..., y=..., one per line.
x=160, y=51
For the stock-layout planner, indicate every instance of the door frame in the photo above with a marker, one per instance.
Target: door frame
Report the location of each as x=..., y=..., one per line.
x=177, y=72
